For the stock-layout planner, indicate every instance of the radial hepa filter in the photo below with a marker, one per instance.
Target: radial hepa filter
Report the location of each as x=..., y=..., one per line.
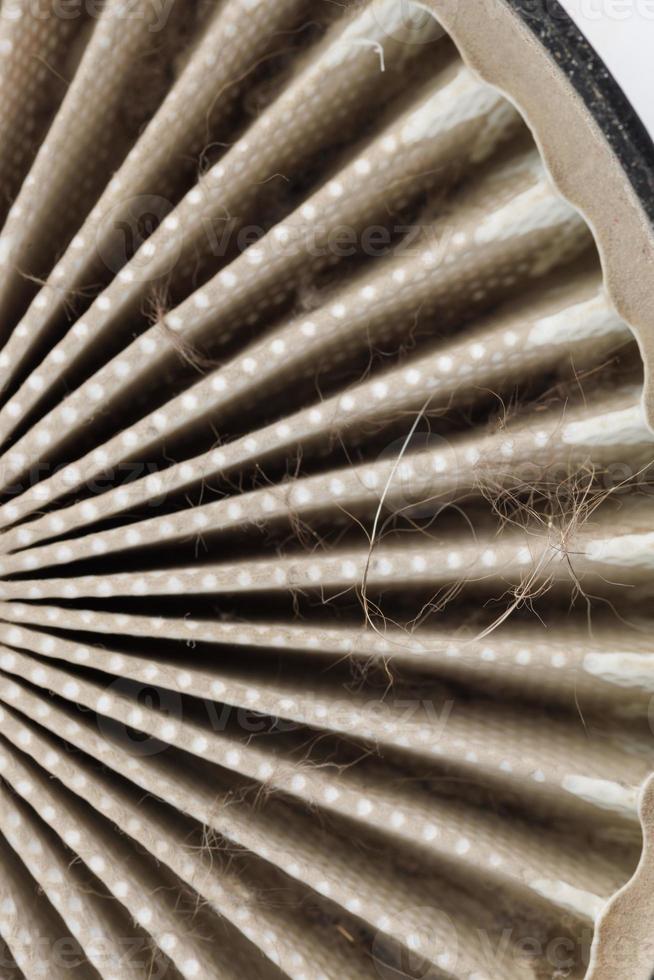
x=327, y=552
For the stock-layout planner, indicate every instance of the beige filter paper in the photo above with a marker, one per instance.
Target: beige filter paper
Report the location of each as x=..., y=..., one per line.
x=326, y=548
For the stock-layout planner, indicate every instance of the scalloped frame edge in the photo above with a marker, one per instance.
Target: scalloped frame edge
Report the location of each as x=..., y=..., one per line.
x=586, y=171
x=576, y=153
x=624, y=932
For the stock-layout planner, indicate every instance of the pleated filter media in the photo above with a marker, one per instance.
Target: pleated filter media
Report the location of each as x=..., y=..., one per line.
x=327, y=540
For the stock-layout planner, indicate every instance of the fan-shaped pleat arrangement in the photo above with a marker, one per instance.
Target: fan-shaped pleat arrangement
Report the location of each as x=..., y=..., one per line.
x=326, y=549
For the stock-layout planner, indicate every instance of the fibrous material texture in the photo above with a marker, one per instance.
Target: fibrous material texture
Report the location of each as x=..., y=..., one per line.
x=326, y=548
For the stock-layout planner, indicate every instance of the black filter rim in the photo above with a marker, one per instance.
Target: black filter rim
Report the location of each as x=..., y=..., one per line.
x=602, y=94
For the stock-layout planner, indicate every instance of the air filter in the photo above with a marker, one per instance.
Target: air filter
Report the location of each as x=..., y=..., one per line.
x=326, y=563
